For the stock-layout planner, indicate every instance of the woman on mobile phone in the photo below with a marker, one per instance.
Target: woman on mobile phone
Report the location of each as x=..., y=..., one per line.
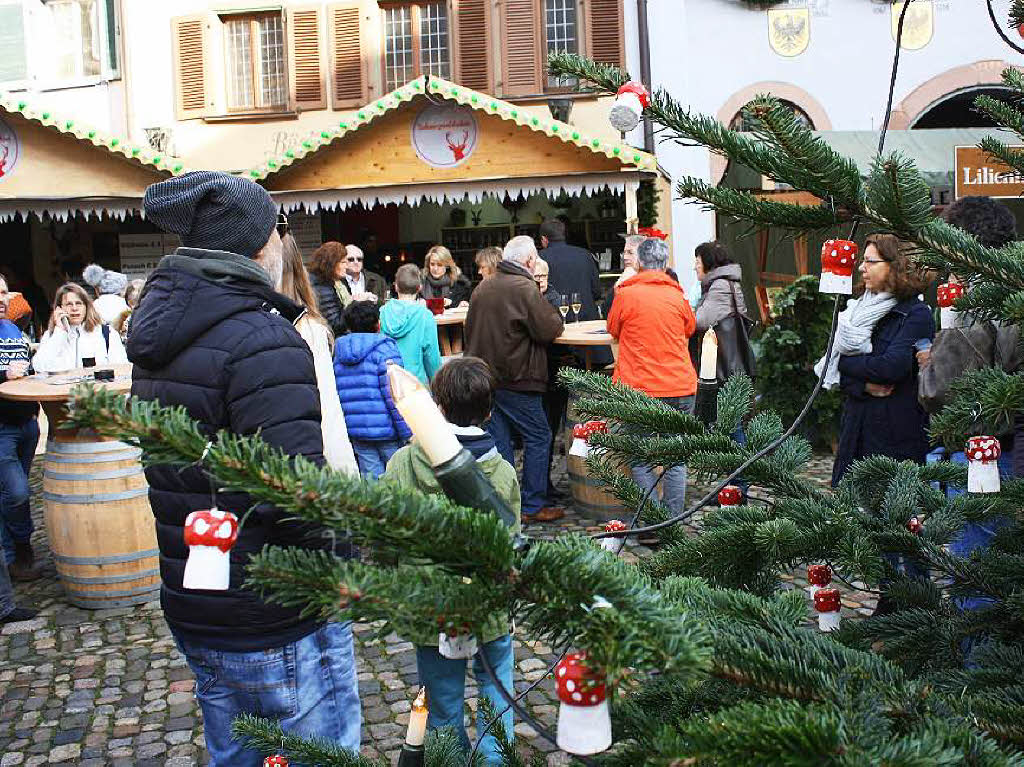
x=76, y=335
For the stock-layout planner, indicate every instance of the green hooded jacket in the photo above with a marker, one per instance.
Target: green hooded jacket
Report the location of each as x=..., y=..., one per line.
x=409, y=467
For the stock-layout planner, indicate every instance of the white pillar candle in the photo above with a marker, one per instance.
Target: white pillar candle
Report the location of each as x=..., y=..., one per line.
x=425, y=420
x=417, y=730
x=709, y=356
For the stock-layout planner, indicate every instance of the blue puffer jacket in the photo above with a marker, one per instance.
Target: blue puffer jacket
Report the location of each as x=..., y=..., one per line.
x=360, y=371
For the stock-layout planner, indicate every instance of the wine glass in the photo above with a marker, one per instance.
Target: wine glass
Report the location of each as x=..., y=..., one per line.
x=576, y=306
x=563, y=305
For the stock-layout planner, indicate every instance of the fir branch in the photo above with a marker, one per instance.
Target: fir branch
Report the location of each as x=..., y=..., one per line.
x=744, y=205
x=898, y=196
x=735, y=399
x=421, y=528
x=268, y=737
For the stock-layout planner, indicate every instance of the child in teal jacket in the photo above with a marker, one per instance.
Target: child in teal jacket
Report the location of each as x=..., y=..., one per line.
x=412, y=326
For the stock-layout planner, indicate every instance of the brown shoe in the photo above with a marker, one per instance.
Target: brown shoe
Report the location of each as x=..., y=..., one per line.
x=23, y=568
x=548, y=514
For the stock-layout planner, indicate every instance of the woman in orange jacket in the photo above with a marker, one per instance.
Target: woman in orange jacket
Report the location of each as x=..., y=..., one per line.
x=653, y=321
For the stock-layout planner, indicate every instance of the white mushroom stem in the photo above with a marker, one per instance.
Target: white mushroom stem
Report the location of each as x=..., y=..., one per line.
x=207, y=568
x=584, y=730
x=947, y=317
x=456, y=647
x=836, y=283
x=983, y=476
x=828, y=621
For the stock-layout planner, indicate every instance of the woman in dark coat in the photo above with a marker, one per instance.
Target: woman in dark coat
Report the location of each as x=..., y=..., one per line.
x=881, y=414
x=442, y=278
x=326, y=272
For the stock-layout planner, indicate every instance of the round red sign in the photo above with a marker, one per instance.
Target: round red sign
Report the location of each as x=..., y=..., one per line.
x=9, y=150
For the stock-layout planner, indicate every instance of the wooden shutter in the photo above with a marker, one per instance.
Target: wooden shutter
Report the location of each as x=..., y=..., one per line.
x=472, y=44
x=309, y=91
x=348, y=66
x=522, y=69
x=191, y=53
x=605, y=42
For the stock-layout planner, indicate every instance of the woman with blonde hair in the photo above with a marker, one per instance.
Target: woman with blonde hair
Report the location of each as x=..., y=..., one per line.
x=442, y=278
x=76, y=335
x=318, y=337
x=487, y=261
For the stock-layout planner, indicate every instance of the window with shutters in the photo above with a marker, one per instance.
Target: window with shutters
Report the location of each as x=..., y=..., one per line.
x=255, y=62
x=416, y=42
x=80, y=38
x=561, y=34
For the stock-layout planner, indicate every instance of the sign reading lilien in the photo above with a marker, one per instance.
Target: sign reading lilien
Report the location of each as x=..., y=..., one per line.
x=978, y=173
x=444, y=136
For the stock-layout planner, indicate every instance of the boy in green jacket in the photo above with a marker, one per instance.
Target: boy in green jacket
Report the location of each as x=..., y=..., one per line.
x=464, y=391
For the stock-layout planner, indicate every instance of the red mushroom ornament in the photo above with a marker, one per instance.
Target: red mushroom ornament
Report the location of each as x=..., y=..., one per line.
x=826, y=602
x=946, y=295
x=275, y=761
x=838, y=259
x=819, y=576
x=983, y=464
x=209, y=535
x=630, y=101
x=581, y=434
x=914, y=525
x=584, y=724
x=730, y=495
x=613, y=526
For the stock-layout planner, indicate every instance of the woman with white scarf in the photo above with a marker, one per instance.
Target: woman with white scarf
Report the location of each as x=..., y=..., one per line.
x=873, y=361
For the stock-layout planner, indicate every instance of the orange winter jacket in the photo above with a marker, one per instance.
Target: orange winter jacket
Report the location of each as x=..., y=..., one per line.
x=653, y=321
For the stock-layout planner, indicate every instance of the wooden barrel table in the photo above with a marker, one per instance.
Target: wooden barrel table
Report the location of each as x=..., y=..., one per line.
x=589, y=494
x=98, y=520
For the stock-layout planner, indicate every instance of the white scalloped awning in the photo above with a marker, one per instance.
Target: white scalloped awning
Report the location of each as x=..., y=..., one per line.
x=65, y=209
x=455, y=192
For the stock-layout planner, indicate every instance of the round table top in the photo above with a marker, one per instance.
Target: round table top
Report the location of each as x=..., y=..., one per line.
x=452, y=317
x=586, y=333
x=57, y=387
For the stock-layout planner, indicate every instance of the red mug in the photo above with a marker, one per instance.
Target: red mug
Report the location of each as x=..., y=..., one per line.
x=436, y=305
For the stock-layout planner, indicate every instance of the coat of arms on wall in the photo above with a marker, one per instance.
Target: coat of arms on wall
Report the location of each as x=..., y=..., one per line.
x=789, y=30
x=918, y=25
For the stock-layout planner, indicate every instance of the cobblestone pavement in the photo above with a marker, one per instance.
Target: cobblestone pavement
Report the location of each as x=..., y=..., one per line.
x=108, y=687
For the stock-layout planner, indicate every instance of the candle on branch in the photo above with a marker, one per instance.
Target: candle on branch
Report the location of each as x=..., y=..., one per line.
x=415, y=733
x=706, y=405
x=709, y=356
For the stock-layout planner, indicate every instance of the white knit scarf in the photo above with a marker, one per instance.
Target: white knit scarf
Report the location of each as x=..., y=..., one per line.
x=853, y=331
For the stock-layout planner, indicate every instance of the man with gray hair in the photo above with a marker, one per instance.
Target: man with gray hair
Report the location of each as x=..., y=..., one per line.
x=653, y=321
x=510, y=325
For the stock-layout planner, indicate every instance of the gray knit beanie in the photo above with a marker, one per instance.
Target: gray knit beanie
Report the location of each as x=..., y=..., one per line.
x=104, y=280
x=213, y=210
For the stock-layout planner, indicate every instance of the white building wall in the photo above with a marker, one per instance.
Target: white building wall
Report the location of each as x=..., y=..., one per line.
x=706, y=51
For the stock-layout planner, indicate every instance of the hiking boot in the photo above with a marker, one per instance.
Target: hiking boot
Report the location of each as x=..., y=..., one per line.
x=23, y=568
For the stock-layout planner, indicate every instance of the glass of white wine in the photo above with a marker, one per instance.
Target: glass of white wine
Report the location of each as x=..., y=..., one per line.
x=563, y=305
x=576, y=306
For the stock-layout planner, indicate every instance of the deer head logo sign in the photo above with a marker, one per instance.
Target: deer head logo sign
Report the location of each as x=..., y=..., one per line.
x=9, y=150
x=444, y=135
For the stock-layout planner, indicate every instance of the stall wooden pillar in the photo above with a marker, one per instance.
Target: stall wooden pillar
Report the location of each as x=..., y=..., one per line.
x=632, y=216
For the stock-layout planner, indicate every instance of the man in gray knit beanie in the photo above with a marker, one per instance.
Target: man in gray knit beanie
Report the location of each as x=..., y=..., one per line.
x=212, y=334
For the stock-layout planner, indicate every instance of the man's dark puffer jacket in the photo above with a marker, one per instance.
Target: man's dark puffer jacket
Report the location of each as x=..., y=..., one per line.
x=212, y=335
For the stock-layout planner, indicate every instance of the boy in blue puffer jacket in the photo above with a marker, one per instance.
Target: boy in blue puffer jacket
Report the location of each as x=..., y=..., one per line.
x=412, y=325
x=375, y=428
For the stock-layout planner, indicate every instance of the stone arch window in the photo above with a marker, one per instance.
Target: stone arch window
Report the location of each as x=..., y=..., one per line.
x=956, y=110
x=740, y=121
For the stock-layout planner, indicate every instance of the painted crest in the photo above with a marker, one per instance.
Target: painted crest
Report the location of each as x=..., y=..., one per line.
x=918, y=25
x=789, y=30
x=444, y=136
x=10, y=149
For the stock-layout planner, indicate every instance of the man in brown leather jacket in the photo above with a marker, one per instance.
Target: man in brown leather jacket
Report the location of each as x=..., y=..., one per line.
x=510, y=325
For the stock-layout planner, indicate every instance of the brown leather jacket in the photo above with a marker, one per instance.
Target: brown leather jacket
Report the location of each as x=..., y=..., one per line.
x=510, y=325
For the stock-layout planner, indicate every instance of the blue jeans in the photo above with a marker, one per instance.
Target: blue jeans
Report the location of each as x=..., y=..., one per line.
x=673, y=485
x=523, y=412
x=17, y=447
x=373, y=457
x=445, y=680
x=309, y=686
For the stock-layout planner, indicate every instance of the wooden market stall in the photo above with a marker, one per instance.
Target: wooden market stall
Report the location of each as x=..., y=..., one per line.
x=434, y=145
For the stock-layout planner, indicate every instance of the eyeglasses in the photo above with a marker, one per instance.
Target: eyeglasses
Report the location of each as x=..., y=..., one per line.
x=873, y=261
x=354, y=259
